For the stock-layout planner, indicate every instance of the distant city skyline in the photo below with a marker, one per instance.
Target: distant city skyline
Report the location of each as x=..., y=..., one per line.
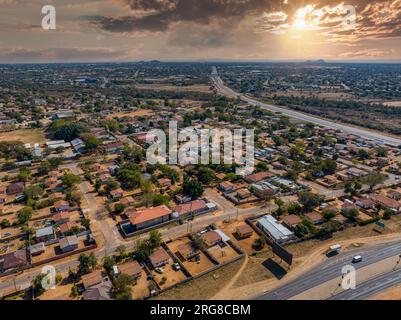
x=206, y=30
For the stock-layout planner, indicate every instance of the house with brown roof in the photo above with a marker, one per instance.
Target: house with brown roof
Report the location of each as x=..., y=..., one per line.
x=243, y=194
x=226, y=186
x=315, y=217
x=211, y=238
x=291, y=220
x=392, y=194
x=131, y=268
x=15, y=188
x=68, y=244
x=61, y=205
x=61, y=217
x=257, y=177
x=149, y=217
x=365, y=203
x=159, y=258
x=116, y=194
x=188, y=250
x=13, y=260
x=386, y=202
x=244, y=231
x=195, y=207
x=127, y=201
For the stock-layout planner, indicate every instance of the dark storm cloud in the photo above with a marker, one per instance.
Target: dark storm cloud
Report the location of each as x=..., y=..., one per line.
x=159, y=15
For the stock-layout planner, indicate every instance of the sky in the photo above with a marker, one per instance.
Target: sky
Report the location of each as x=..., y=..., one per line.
x=135, y=30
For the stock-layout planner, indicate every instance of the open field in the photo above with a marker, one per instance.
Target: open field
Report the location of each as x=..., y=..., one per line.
x=24, y=135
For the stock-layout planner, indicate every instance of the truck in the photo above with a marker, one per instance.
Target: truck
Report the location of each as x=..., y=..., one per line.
x=333, y=250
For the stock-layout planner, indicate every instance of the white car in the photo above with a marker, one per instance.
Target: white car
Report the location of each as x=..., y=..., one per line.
x=356, y=259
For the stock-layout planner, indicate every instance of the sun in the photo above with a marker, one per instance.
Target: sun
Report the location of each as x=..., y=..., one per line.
x=300, y=24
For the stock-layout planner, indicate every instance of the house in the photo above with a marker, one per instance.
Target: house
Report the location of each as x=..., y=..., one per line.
x=64, y=228
x=386, y=202
x=56, y=196
x=37, y=249
x=243, y=194
x=159, y=258
x=78, y=145
x=392, y=194
x=113, y=169
x=61, y=205
x=257, y=177
x=15, y=188
x=148, y=217
x=131, y=268
x=116, y=194
x=164, y=182
x=96, y=286
x=274, y=230
x=291, y=220
x=211, y=238
x=127, y=201
x=45, y=234
x=68, y=244
x=188, y=209
x=104, y=178
x=182, y=198
x=92, y=279
x=60, y=218
x=226, y=186
x=365, y=203
x=348, y=206
x=113, y=147
x=315, y=217
x=13, y=260
x=188, y=250
x=244, y=231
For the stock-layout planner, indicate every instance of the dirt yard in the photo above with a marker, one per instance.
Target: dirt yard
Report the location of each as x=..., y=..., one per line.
x=24, y=135
x=204, y=287
x=169, y=277
x=193, y=267
x=141, y=289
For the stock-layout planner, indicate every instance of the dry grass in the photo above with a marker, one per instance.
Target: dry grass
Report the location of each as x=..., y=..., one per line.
x=24, y=135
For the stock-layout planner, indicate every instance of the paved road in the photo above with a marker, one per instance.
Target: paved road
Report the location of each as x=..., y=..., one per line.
x=371, y=287
x=370, y=135
x=331, y=269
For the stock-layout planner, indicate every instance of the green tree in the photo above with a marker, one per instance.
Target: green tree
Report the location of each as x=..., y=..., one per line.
x=87, y=262
x=155, y=239
x=69, y=180
x=24, y=215
x=193, y=188
x=309, y=200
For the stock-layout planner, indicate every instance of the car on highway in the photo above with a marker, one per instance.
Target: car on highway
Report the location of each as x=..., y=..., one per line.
x=356, y=259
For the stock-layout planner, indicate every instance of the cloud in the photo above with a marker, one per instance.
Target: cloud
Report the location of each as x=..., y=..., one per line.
x=159, y=15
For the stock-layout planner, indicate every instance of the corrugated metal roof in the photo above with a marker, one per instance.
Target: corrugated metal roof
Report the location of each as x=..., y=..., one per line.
x=276, y=230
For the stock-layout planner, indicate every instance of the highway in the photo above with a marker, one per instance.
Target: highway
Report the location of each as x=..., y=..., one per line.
x=331, y=269
x=363, y=133
x=371, y=287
